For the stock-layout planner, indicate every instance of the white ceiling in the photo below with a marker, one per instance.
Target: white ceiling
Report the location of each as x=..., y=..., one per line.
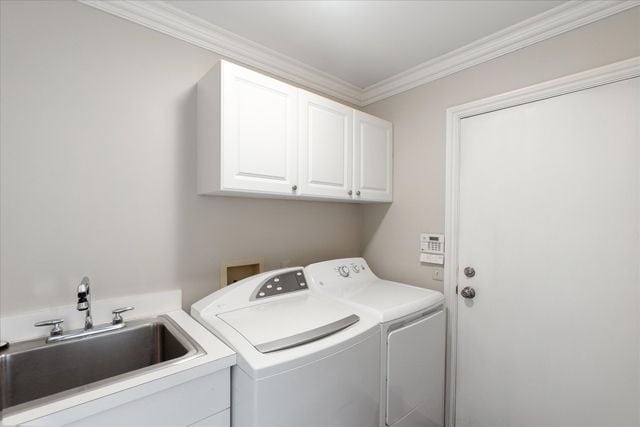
x=364, y=42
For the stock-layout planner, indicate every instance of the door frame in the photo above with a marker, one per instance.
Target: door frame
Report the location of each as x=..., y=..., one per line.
x=611, y=73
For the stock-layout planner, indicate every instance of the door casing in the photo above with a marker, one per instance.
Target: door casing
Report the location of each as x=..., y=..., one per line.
x=612, y=73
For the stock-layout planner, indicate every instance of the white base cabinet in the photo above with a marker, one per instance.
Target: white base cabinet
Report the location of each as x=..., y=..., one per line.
x=221, y=419
x=202, y=401
x=260, y=137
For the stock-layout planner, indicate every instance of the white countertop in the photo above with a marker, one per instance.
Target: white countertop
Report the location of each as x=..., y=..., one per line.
x=217, y=356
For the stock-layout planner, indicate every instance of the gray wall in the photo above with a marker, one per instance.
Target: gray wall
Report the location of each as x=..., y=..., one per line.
x=390, y=233
x=98, y=168
x=97, y=172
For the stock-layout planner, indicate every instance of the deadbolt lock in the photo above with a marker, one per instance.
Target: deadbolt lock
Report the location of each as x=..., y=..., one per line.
x=469, y=271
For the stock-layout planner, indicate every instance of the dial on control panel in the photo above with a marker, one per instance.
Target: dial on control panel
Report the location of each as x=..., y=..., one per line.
x=343, y=270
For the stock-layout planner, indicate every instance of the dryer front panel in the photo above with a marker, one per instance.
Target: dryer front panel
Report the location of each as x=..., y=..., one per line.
x=415, y=371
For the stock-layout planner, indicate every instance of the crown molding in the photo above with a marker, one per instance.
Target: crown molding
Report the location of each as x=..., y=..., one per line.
x=167, y=19
x=566, y=17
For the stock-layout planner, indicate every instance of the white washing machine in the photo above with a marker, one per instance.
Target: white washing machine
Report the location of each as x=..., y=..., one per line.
x=304, y=359
x=412, y=341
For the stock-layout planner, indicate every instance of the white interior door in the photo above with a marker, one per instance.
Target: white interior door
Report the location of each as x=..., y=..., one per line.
x=373, y=158
x=550, y=221
x=326, y=146
x=260, y=126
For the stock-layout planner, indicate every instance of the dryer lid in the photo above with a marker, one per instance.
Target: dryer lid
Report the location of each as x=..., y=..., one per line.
x=387, y=300
x=289, y=322
x=391, y=300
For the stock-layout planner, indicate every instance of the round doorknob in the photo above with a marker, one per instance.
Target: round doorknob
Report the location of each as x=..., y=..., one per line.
x=468, y=292
x=294, y=188
x=350, y=192
x=358, y=193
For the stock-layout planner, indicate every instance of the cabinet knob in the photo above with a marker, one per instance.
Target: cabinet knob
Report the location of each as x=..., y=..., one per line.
x=350, y=192
x=294, y=188
x=358, y=193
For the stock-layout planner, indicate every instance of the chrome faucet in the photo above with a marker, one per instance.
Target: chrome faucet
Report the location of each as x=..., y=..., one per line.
x=84, y=302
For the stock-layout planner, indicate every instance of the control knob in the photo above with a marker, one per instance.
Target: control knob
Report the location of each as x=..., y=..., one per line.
x=343, y=270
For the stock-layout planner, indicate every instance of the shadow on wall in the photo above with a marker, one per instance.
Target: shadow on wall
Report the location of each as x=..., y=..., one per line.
x=211, y=230
x=375, y=214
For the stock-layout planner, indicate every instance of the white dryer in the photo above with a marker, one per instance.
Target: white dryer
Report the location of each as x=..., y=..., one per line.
x=304, y=359
x=412, y=341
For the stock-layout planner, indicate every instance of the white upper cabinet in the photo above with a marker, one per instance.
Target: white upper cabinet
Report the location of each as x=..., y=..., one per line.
x=258, y=136
x=373, y=158
x=254, y=145
x=325, y=147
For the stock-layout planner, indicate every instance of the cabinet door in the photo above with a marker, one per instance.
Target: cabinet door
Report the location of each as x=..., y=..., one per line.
x=221, y=419
x=373, y=158
x=259, y=132
x=326, y=141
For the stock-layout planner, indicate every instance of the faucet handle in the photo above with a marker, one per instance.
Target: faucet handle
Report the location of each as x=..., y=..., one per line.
x=57, y=329
x=117, y=318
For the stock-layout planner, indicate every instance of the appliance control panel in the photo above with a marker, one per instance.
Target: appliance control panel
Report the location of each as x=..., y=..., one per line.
x=282, y=283
x=350, y=269
x=339, y=272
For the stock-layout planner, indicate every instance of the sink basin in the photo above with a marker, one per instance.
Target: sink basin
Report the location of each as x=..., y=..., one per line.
x=33, y=373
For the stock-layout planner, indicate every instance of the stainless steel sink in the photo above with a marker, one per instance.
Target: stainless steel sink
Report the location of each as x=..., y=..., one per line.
x=33, y=373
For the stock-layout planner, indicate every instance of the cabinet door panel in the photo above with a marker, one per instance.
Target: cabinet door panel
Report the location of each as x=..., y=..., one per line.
x=259, y=132
x=325, y=147
x=373, y=158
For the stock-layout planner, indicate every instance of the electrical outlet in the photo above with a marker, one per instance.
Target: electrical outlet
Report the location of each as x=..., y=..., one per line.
x=437, y=274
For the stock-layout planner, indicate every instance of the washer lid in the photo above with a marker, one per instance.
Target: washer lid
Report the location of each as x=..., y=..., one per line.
x=289, y=322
